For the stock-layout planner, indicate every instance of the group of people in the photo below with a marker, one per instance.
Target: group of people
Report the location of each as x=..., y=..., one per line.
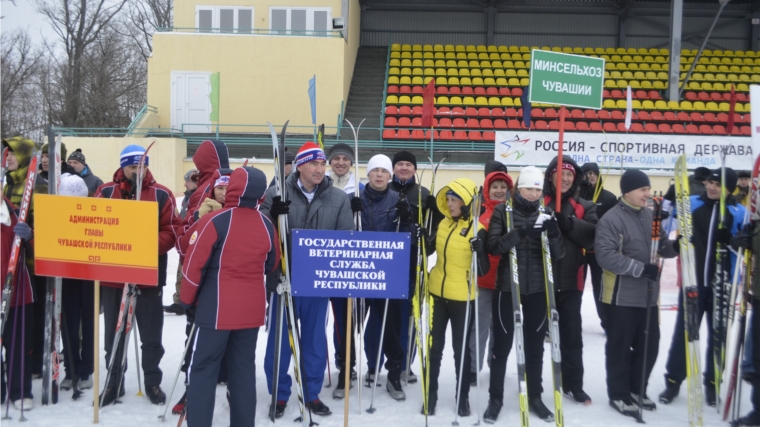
x=227, y=236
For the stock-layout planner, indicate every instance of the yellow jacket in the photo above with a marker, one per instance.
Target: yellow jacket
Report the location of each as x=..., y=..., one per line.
x=451, y=274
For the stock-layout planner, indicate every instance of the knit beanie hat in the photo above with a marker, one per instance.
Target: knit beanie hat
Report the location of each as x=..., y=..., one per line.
x=633, y=179
x=341, y=149
x=78, y=156
x=405, y=156
x=731, y=178
x=591, y=166
x=73, y=185
x=453, y=194
x=565, y=166
x=744, y=174
x=530, y=177
x=380, y=161
x=188, y=175
x=45, y=148
x=222, y=181
x=309, y=152
x=494, y=166
x=131, y=155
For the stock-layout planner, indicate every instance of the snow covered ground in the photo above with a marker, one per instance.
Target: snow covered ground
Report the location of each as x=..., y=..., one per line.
x=137, y=411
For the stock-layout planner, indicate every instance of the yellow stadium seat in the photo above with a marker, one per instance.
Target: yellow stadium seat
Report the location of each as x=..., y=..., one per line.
x=631, y=51
x=639, y=75
x=622, y=66
x=567, y=50
x=465, y=81
x=588, y=51
x=522, y=73
x=406, y=55
x=477, y=81
x=633, y=66
x=556, y=49
x=616, y=58
x=391, y=100
x=470, y=48
x=438, y=48
x=442, y=100
x=494, y=57
x=712, y=106
x=687, y=106
x=697, y=76
x=721, y=77
x=463, y=64
x=406, y=63
x=395, y=47
x=395, y=55
x=468, y=100
x=494, y=101
x=660, y=105
x=453, y=81
x=622, y=84
x=440, y=55
x=428, y=80
x=578, y=51
x=440, y=72
x=459, y=48
x=756, y=78
x=393, y=71
x=427, y=48
x=514, y=49
x=707, y=52
x=646, y=84
x=417, y=72
x=647, y=105
x=499, y=73
x=673, y=105
x=747, y=108
x=621, y=51
x=657, y=67
x=474, y=64
x=487, y=72
x=464, y=72
x=481, y=101
x=609, y=104
x=501, y=81
x=742, y=87
x=448, y=63
x=514, y=82
x=732, y=78
x=482, y=56
x=606, y=75
x=610, y=66
x=405, y=80
x=694, y=86
x=505, y=56
x=475, y=72
x=627, y=75
x=634, y=84
x=496, y=64
x=699, y=106
x=510, y=72
x=520, y=64
x=739, y=108
x=610, y=84
x=456, y=100
x=636, y=104
x=417, y=48
x=524, y=49
x=417, y=80
x=394, y=63
x=621, y=104
x=417, y=55
x=492, y=48
x=429, y=72
x=724, y=106
x=738, y=53
x=449, y=48
x=658, y=85
x=526, y=57
x=524, y=81
x=720, y=87
x=440, y=81
x=489, y=81
x=406, y=48
x=392, y=80
x=609, y=51
x=503, y=49
x=627, y=58
x=599, y=50
x=472, y=56
x=417, y=100
x=504, y=102
x=450, y=72
x=417, y=63
x=750, y=54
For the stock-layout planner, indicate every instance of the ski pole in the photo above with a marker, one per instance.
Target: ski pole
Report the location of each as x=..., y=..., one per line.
x=642, y=388
x=137, y=359
x=279, y=309
x=179, y=369
x=116, y=339
x=127, y=333
x=23, y=352
x=409, y=346
x=461, y=355
x=10, y=364
x=371, y=410
x=70, y=356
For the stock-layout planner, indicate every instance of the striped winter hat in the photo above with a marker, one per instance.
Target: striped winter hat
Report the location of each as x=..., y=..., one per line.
x=131, y=155
x=309, y=152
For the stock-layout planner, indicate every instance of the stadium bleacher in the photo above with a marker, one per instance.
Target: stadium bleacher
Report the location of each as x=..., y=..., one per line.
x=479, y=89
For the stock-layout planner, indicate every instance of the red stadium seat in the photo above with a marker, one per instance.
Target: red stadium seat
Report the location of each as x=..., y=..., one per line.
x=514, y=124
x=691, y=96
x=741, y=97
x=706, y=129
x=595, y=127
x=620, y=127
x=576, y=114
x=442, y=90
x=480, y=91
x=393, y=90
x=484, y=112
x=735, y=131
x=460, y=135
x=550, y=113
x=474, y=136
x=418, y=135
x=542, y=125
x=670, y=116
x=703, y=96
x=683, y=116
x=722, y=117
x=390, y=122
x=656, y=116
x=457, y=111
x=617, y=94
x=489, y=136
x=405, y=110
x=618, y=115
x=643, y=116
x=747, y=118
x=716, y=96
x=405, y=90
x=404, y=122
x=497, y=112
x=606, y=94
x=455, y=90
x=696, y=117
x=664, y=128
x=719, y=130
x=391, y=110
x=582, y=126
x=444, y=111
x=590, y=115
x=710, y=118
x=500, y=124
x=467, y=90
x=389, y=134
x=654, y=95
x=446, y=135
x=537, y=113
x=486, y=124
x=418, y=90
x=492, y=91
x=417, y=110
x=570, y=126
x=473, y=124
x=604, y=115
x=504, y=91
x=641, y=94
x=403, y=134
x=609, y=127
x=510, y=113
x=435, y=135
x=459, y=123
x=651, y=128
x=636, y=127
x=678, y=128
x=517, y=91
x=746, y=130
x=471, y=112
x=693, y=129
x=444, y=122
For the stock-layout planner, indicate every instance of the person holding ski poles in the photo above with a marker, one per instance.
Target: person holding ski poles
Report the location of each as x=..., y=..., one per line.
x=631, y=288
x=149, y=308
x=497, y=189
x=451, y=291
x=311, y=202
x=577, y=221
x=706, y=236
x=228, y=303
x=522, y=234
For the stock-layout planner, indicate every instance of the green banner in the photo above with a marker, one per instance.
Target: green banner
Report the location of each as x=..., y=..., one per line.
x=214, y=97
x=564, y=79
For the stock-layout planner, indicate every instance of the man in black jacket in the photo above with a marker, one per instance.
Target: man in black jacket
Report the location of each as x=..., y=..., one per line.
x=592, y=189
x=577, y=222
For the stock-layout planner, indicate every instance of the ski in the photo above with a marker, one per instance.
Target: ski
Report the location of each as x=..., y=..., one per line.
x=50, y=363
x=553, y=316
x=720, y=282
x=418, y=302
x=10, y=277
x=283, y=288
x=690, y=293
x=321, y=136
x=522, y=377
x=737, y=314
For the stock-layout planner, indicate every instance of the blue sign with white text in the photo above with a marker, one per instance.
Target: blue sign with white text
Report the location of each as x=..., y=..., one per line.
x=350, y=264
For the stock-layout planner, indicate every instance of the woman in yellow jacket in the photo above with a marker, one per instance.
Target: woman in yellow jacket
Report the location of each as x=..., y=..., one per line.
x=449, y=280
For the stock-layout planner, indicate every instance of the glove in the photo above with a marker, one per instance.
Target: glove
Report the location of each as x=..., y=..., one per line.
x=23, y=231
x=741, y=240
x=651, y=271
x=279, y=207
x=563, y=221
x=418, y=232
x=356, y=204
x=677, y=244
x=431, y=203
x=482, y=209
x=208, y=206
x=476, y=245
x=403, y=211
x=551, y=227
x=723, y=235
x=533, y=232
x=190, y=313
x=664, y=215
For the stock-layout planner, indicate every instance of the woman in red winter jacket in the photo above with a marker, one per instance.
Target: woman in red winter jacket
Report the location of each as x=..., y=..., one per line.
x=496, y=190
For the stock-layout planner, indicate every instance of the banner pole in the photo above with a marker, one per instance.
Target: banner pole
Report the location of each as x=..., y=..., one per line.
x=347, y=360
x=96, y=355
x=558, y=205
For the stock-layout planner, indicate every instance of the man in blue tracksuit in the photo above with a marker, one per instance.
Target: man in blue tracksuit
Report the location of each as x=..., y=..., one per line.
x=311, y=202
x=705, y=217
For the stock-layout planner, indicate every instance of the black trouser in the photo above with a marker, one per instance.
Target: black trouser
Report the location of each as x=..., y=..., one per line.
x=149, y=311
x=596, y=283
x=445, y=310
x=340, y=306
x=77, y=299
x=675, y=367
x=624, y=350
x=17, y=317
x=224, y=368
x=571, y=338
x=534, y=330
x=39, y=284
x=210, y=346
x=392, y=346
x=756, y=352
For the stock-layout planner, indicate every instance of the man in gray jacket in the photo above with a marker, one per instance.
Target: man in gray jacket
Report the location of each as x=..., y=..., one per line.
x=623, y=246
x=311, y=202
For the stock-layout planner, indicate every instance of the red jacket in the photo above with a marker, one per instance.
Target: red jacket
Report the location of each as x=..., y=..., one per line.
x=229, y=253
x=22, y=274
x=489, y=280
x=168, y=216
x=211, y=156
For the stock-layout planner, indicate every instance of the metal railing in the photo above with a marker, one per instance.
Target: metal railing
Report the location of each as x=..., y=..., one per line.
x=117, y=132
x=253, y=31
x=144, y=110
x=385, y=88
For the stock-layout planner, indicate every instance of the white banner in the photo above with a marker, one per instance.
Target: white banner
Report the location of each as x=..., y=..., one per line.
x=621, y=150
x=754, y=98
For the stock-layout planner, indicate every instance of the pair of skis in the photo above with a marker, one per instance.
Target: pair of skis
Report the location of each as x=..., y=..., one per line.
x=690, y=291
x=284, y=297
